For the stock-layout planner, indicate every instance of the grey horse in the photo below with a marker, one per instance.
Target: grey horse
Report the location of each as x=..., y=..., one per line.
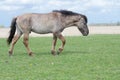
x=54, y=22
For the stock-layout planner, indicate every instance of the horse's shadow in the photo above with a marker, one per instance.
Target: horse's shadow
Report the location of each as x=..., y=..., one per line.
x=75, y=52
x=65, y=52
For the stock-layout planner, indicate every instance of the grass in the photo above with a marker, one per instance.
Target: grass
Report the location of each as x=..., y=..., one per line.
x=96, y=57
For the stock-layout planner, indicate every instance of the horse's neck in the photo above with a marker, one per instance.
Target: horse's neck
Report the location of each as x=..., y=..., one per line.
x=68, y=23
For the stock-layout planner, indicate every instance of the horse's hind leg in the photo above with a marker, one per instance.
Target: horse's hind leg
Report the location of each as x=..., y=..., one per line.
x=25, y=41
x=63, y=43
x=15, y=39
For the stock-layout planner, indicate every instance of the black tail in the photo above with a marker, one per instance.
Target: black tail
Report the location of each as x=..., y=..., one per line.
x=12, y=31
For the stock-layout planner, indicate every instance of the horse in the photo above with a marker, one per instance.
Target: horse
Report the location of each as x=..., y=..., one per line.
x=54, y=22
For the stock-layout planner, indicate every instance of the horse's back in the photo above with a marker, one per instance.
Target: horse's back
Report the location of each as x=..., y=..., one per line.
x=39, y=23
x=44, y=23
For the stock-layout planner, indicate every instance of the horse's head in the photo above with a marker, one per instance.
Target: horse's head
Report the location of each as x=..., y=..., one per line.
x=82, y=25
x=75, y=19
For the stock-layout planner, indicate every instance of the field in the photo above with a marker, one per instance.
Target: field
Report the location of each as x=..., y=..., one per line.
x=96, y=57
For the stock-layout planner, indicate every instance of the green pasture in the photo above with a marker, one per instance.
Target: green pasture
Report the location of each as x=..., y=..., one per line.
x=95, y=57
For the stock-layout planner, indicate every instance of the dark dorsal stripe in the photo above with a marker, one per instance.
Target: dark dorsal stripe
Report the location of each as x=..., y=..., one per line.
x=70, y=13
x=66, y=12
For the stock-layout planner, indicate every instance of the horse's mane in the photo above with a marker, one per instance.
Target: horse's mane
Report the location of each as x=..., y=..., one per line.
x=70, y=13
x=66, y=12
x=84, y=18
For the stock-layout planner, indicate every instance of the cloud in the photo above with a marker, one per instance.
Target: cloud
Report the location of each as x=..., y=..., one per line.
x=103, y=5
x=14, y=5
x=46, y=5
x=10, y=8
x=17, y=2
x=59, y=3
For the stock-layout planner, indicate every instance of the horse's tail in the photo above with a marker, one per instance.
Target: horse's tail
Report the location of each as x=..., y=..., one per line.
x=12, y=30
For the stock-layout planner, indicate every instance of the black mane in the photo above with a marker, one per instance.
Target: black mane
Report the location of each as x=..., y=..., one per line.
x=70, y=13
x=66, y=12
x=85, y=18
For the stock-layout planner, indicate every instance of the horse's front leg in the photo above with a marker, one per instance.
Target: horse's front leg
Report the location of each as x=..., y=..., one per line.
x=63, y=43
x=54, y=44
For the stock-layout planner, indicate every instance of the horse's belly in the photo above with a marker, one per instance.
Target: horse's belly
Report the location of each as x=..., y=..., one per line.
x=41, y=30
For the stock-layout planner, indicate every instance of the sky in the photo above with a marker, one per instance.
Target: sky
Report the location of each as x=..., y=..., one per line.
x=97, y=11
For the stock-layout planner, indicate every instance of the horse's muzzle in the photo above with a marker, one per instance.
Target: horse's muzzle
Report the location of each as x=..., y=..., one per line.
x=86, y=33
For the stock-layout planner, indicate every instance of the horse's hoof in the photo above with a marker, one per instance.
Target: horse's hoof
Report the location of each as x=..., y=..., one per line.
x=59, y=51
x=10, y=53
x=31, y=54
x=53, y=52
